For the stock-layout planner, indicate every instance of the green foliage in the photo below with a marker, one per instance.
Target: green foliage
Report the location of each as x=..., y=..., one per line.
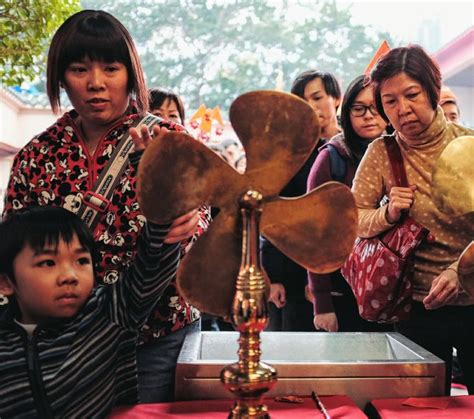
x=211, y=51
x=25, y=30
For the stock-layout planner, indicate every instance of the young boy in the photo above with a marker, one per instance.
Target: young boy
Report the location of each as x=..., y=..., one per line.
x=67, y=349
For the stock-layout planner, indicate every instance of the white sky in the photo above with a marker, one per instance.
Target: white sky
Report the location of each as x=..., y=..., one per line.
x=403, y=18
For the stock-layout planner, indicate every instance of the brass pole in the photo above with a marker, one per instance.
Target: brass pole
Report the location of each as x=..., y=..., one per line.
x=249, y=378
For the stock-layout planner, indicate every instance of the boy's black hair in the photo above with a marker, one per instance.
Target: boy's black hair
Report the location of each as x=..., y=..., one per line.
x=38, y=227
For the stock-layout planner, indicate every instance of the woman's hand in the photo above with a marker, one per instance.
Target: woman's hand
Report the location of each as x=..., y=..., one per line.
x=400, y=199
x=142, y=138
x=277, y=295
x=326, y=322
x=183, y=227
x=444, y=289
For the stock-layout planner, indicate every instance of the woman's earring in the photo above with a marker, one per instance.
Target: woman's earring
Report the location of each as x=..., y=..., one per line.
x=3, y=300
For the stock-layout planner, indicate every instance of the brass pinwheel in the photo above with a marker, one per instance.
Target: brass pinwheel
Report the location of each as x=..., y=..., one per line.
x=278, y=132
x=453, y=192
x=222, y=273
x=453, y=177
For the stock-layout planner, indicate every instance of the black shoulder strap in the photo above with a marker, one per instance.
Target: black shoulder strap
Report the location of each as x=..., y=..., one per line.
x=338, y=164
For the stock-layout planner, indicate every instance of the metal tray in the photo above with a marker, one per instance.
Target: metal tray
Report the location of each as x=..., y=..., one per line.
x=364, y=366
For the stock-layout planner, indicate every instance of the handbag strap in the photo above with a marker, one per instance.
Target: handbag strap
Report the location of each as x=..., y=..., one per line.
x=96, y=202
x=396, y=161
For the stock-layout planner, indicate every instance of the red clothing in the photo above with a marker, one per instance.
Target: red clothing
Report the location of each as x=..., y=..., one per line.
x=56, y=168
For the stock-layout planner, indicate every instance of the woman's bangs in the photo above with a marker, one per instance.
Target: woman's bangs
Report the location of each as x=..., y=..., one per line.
x=109, y=49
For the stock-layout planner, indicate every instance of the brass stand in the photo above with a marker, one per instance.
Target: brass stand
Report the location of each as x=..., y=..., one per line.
x=316, y=230
x=249, y=378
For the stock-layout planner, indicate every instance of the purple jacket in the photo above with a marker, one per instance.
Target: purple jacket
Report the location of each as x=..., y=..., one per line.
x=321, y=285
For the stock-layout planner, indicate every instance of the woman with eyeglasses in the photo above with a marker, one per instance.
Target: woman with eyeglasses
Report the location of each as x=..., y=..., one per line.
x=335, y=307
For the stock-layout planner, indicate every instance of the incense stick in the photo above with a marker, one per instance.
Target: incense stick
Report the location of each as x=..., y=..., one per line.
x=320, y=405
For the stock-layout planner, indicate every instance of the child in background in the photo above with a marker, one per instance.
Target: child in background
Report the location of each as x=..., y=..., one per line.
x=68, y=349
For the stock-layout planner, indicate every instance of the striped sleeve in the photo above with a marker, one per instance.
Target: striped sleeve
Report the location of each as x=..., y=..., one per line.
x=145, y=280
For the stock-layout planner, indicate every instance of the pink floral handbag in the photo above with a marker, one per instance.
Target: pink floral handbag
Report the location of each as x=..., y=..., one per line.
x=379, y=269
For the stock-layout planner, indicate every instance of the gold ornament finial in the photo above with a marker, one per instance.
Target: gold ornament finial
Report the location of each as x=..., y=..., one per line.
x=249, y=378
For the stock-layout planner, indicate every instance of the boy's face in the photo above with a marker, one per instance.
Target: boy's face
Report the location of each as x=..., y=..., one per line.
x=52, y=283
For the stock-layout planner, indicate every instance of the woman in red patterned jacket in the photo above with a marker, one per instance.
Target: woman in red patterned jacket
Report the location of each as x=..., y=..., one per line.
x=93, y=59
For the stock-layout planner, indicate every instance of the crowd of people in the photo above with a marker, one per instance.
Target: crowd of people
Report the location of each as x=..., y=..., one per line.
x=92, y=318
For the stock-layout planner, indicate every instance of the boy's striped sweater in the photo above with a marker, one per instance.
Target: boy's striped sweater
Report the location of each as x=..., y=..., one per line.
x=83, y=366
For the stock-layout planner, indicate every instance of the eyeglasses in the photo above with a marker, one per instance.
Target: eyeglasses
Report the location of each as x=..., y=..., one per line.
x=360, y=110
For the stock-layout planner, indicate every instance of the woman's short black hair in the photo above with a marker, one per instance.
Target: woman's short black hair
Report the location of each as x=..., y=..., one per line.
x=97, y=35
x=37, y=227
x=159, y=96
x=415, y=63
x=330, y=83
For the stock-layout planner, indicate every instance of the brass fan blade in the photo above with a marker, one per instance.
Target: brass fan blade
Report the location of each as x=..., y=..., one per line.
x=278, y=132
x=177, y=174
x=453, y=177
x=208, y=273
x=466, y=269
x=317, y=231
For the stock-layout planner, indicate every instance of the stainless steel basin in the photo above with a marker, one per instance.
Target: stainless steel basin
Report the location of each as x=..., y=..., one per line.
x=364, y=366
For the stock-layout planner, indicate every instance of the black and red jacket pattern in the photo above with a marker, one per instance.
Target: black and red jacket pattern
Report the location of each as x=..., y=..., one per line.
x=56, y=168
